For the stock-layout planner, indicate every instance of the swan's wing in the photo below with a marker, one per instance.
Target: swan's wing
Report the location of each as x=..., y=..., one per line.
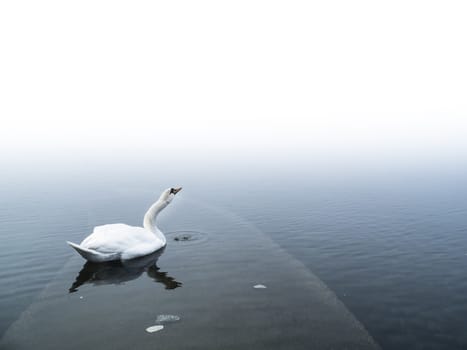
x=113, y=228
x=116, y=238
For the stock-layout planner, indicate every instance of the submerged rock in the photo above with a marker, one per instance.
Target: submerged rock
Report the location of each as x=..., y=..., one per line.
x=259, y=286
x=161, y=319
x=155, y=328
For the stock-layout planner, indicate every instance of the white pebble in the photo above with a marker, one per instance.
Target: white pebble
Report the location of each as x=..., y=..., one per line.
x=81, y=297
x=260, y=286
x=153, y=329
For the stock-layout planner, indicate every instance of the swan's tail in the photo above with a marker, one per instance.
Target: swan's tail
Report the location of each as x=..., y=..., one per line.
x=90, y=254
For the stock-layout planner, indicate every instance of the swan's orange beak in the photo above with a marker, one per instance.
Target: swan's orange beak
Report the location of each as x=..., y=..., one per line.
x=176, y=190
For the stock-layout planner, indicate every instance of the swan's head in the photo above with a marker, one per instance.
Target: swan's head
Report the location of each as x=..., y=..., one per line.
x=169, y=194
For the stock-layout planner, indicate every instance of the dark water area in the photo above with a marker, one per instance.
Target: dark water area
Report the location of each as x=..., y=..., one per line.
x=391, y=245
x=203, y=283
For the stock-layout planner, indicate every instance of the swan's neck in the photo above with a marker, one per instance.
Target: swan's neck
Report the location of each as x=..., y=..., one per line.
x=150, y=218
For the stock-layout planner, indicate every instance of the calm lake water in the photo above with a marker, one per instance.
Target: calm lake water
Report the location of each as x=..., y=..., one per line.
x=391, y=245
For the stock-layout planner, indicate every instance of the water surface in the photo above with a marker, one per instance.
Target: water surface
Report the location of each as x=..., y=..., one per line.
x=391, y=246
x=205, y=280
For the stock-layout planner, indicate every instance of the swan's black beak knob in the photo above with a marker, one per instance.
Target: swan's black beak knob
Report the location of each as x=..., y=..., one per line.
x=175, y=190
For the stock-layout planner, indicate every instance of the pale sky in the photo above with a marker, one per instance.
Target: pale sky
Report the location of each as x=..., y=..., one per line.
x=234, y=76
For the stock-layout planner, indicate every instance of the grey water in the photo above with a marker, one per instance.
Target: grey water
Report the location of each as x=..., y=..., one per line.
x=391, y=245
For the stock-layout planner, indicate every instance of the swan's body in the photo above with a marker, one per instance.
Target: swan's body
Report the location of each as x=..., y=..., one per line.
x=124, y=242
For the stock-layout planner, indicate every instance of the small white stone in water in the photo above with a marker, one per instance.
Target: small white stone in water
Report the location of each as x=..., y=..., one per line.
x=153, y=329
x=259, y=286
x=81, y=297
x=167, y=318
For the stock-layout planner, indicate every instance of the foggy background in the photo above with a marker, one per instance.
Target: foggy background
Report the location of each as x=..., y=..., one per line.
x=233, y=79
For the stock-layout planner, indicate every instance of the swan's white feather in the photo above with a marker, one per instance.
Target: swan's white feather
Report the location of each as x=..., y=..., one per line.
x=117, y=238
x=118, y=241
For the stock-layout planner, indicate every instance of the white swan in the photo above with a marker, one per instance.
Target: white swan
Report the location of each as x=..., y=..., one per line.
x=123, y=242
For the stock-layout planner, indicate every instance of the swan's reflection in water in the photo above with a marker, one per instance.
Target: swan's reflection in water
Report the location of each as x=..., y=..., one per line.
x=117, y=272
